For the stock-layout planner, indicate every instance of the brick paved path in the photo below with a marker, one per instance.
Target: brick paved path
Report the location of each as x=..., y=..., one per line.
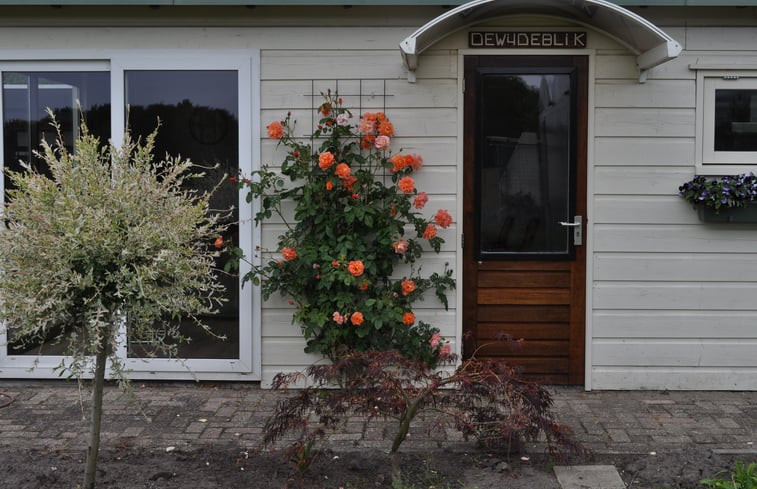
x=48, y=414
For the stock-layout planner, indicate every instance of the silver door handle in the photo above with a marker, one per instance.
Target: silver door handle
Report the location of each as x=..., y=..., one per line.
x=577, y=226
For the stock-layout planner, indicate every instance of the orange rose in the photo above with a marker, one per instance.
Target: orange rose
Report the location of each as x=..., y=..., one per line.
x=326, y=109
x=406, y=184
x=443, y=219
x=398, y=162
x=342, y=170
x=386, y=128
x=408, y=318
x=430, y=232
x=349, y=182
x=356, y=268
x=363, y=285
x=289, y=254
x=275, y=130
x=357, y=318
x=367, y=141
x=416, y=162
x=218, y=243
x=329, y=185
x=420, y=200
x=408, y=286
x=325, y=160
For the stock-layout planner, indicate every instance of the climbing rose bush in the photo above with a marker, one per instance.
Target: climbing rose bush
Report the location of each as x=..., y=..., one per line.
x=357, y=217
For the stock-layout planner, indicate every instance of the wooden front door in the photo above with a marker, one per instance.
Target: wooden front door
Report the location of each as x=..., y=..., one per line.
x=524, y=263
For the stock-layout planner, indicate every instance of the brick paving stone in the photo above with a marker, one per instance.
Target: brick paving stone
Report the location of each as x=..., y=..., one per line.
x=618, y=435
x=226, y=411
x=593, y=427
x=195, y=428
x=730, y=408
x=132, y=431
x=211, y=433
x=671, y=439
x=728, y=423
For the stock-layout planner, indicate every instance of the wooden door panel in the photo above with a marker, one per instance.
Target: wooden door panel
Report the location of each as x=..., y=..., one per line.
x=512, y=295
x=538, y=366
x=523, y=313
x=527, y=331
x=534, y=298
x=541, y=266
x=495, y=278
x=524, y=348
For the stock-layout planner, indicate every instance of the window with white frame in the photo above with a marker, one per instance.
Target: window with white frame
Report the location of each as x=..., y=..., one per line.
x=204, y=105
x=726, y=121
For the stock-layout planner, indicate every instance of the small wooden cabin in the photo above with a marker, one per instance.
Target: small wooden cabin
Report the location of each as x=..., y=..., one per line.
x=556, y=132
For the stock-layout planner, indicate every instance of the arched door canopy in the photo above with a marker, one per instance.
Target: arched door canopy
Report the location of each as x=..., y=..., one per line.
x=651, y=45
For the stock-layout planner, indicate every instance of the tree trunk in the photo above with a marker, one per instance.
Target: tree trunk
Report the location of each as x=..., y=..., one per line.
x=96, y=414
x=394, y=457
x=402, y=431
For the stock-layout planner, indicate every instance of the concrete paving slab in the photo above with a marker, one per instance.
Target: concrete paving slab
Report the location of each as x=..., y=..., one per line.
x=588, y=477
x=735, y=451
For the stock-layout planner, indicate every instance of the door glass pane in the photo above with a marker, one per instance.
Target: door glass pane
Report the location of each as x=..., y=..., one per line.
x=735, y=120
x=26, y=98
x=524, y=164
x=199, y=120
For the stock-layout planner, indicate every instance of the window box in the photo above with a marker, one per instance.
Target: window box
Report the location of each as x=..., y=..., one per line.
x=746, y=214
x=726, y=199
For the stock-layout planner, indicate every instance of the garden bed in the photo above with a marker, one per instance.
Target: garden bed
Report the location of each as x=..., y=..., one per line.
x=227, y=467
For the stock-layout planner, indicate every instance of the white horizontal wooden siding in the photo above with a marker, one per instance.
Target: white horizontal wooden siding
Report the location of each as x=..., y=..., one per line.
x=674, y=300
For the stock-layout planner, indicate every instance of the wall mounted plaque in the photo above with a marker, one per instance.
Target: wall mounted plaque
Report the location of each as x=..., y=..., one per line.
x=509, y=39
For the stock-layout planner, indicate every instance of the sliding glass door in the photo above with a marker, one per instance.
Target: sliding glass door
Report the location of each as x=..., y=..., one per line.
x=203, y=105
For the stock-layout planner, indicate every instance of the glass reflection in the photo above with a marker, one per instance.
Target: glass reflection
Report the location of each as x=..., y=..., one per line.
x=735, y=120
x=198, y=113
x=524, y=164
x=71, y=96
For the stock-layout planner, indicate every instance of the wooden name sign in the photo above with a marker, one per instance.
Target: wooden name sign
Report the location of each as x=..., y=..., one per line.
x=502, y=39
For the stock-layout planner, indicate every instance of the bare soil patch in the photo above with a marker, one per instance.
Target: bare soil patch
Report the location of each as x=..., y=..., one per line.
x=229, y=468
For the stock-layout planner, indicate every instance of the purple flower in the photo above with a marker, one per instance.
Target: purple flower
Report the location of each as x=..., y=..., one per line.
x=729, y=190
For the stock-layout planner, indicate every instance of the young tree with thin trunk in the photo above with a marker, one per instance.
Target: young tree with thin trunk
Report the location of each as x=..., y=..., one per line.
x=106, y=240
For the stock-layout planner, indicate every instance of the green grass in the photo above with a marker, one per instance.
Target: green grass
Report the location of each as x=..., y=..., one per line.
x=743, y=477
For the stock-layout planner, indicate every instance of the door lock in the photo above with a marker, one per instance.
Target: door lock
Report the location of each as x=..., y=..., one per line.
x=577, y=226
